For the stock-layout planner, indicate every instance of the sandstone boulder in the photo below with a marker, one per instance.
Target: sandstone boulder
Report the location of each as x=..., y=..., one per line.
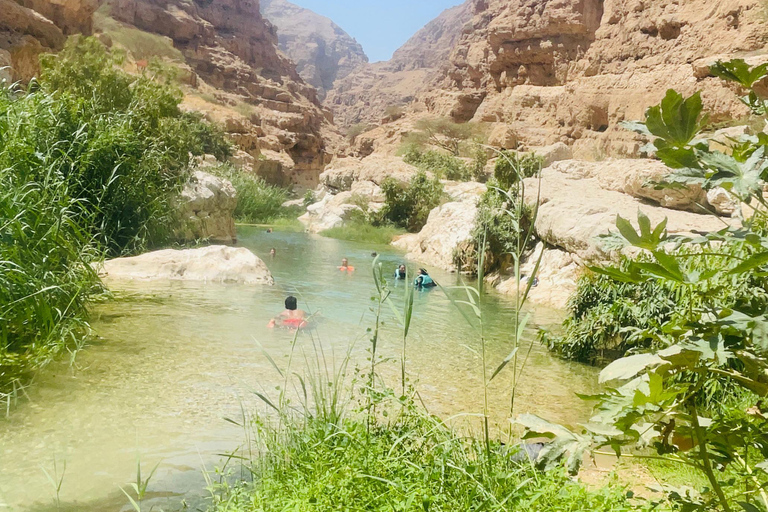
x=635, y=177
x=343, y=172
x=556, y=279
x=464, y=190
x=206, y=207
x=554, y=153
x=330, y=212
x=448, y=228
x=216, y=264
x=575, y=209
x=722, y=201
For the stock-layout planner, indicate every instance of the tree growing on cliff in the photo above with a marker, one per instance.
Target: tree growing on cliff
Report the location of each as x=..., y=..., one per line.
x=443, y=133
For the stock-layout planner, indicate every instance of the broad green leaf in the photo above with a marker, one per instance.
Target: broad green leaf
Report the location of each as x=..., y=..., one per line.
x=754, y=261
x=737, y=70
x=627, y=231
x=627, y=367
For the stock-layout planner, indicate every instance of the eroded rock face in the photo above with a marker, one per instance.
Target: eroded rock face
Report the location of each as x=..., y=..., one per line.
x=322, y=51
x=215, y=264
x=31, y=27
x=576, y=209
x=448, y=228
x=206, y=209
x=342, y=173
x=365, y=95
x=570, y=71
x=230, y=47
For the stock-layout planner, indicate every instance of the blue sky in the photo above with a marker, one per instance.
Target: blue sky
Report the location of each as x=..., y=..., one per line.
x=381, y=26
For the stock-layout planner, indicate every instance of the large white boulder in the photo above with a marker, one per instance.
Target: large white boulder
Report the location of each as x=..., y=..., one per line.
x=216, y=263
x=206, y=207
x=575, y=209
x=342, y=173
x=329, y=212
x=557, y=277
x=634, y=177
x=448, y=228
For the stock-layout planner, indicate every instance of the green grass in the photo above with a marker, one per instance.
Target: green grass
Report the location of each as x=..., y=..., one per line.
x=142, y=45
x=412, y=463
x=366, y=233
x=257, y=201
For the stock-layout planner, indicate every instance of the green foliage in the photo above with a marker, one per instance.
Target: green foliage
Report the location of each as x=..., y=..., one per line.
x=511, y=167
x=408, y=206
x=610, y=317
x=413, y=464
x=257, y=201
x=90, y=161
x=438, y=163
x=309, y=198
x=499, y=226
x=444, y=134
x=356, y=130
x=364, y=232
x=653, y=398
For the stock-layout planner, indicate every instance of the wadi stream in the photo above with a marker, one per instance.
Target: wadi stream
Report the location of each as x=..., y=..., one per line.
x=172, y=360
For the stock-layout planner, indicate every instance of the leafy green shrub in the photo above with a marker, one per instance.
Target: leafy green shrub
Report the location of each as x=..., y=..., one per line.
x=408, y=206
x=438, y=163
x=258, y=202
x=444, y=133
x=511, y=167
x=120, y=142
x=309, y=198
x=90, y=161
x=498, y=226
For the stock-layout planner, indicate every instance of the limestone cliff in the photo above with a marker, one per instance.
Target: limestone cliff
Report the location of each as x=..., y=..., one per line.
x=571, y=70
x=374, y=91
x=322, y=51
x=239, y=78
x=31, y=27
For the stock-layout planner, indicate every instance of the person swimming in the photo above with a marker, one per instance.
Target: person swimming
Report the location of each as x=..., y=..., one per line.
x=345, y=267
x=272, y=253
x=400, y=272
x=423, y=280
x=292, y=317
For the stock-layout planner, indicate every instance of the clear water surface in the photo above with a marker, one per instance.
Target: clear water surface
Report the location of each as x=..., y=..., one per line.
x=173, y=360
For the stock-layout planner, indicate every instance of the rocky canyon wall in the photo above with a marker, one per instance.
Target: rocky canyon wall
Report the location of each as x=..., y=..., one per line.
x=365, y=95
x=322, y=51
x=260, y=99
x=571, y=70
x=31, y=27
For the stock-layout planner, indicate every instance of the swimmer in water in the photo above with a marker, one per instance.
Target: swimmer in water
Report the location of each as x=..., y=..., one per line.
x=400, y=272
x=345, y=266
x=423, y=280
x=292, y=317
x=272, y=253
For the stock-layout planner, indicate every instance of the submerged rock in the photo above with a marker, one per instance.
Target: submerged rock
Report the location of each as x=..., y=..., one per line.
x=216, y=263
x=206, y=207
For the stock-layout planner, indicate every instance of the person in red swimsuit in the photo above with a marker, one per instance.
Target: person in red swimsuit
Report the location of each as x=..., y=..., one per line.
x=345, y=267
x=292, y=317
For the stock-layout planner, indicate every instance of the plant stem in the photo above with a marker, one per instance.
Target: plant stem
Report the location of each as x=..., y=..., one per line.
x=707, y=463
